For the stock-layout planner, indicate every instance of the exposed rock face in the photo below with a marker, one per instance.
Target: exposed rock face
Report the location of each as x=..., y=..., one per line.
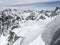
x=57, y=43
x=42, y=17
x=55, y=12
x=56, y=37
x=12, y=38
x=8, y=21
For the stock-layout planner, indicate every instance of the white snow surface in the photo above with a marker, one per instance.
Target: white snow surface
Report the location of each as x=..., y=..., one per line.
x=30, y=31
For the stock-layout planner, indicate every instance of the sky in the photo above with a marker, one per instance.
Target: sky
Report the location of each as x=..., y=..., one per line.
x=29, y=4
x=43, y=4
x=10, y=2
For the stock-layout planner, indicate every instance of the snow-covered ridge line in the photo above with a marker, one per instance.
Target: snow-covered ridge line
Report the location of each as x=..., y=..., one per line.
x=53, y=29
x=10, y=19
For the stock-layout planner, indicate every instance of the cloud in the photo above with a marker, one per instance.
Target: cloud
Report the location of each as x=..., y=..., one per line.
x=35, y=0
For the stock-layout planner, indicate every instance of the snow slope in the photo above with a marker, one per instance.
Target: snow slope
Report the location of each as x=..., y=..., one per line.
x=51, y=28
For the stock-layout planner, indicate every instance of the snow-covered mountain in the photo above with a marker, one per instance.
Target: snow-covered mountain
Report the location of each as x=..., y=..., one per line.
x=14, y=24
